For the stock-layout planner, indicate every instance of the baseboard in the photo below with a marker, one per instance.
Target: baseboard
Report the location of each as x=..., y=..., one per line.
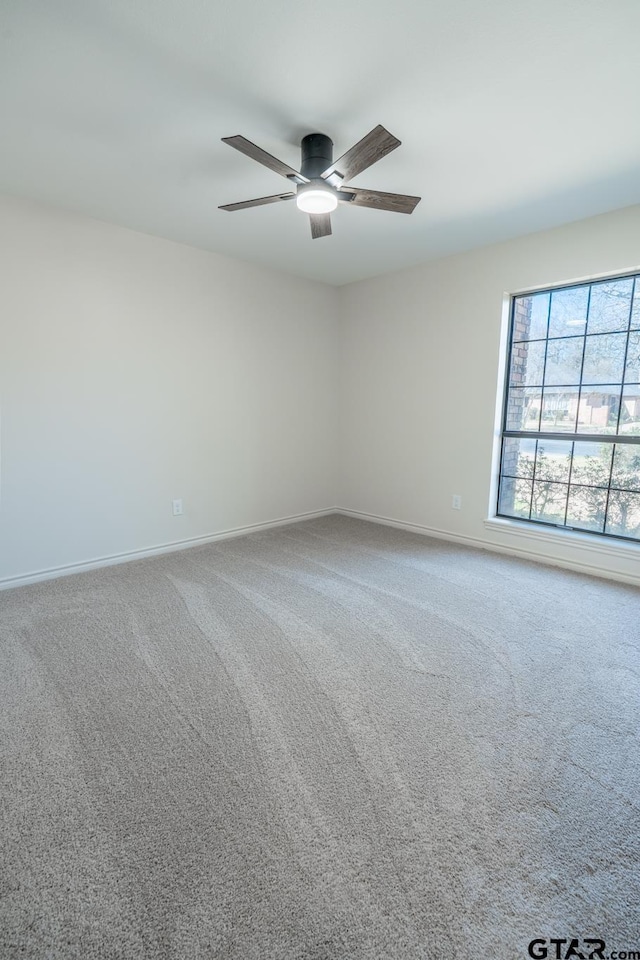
x=525, y=553
x=593, y=569
x=171, y=547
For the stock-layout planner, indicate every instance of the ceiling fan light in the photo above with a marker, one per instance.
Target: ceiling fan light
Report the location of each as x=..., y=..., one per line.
x=316, y=200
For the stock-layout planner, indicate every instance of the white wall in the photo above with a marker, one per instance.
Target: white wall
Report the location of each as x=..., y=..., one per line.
x=134, y=370
x=419, y=371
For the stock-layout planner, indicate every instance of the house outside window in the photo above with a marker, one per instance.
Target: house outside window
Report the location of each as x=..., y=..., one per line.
x=570, y=453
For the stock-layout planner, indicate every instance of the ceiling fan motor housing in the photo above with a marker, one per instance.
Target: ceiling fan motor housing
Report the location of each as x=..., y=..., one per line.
x=317, y=155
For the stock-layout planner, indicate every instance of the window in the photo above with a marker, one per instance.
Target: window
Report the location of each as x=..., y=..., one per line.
x=571, y=425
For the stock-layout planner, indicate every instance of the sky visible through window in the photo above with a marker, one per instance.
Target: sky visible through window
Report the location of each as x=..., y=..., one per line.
x=571, y=429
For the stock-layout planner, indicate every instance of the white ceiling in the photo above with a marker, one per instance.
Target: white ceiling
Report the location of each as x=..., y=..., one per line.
x=514, y=116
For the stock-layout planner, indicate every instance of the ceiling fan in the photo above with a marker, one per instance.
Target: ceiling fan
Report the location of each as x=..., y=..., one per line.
x=319, y=184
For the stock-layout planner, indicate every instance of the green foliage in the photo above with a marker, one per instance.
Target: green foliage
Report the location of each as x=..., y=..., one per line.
x=590, y=477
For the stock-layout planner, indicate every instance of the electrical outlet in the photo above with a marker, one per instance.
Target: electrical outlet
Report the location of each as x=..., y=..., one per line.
x=456, y=502
x=177, y=508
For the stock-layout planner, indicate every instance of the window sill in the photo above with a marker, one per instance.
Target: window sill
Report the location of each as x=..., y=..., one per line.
x=562, y=537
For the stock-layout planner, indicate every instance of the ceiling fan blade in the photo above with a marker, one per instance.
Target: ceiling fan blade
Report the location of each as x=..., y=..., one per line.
x=377, y=144
x=378, y=200
x=320, y=225
x=244, y=204
x=257, y=153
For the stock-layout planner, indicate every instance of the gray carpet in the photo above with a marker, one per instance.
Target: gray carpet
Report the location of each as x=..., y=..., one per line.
x=332, y=741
